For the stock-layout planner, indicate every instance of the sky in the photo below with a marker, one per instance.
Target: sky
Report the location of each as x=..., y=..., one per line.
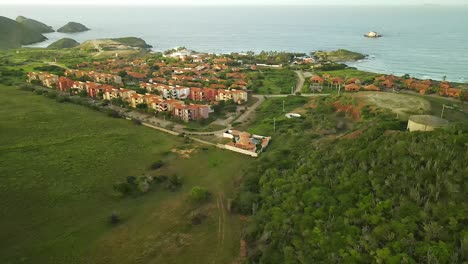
x=233, y=2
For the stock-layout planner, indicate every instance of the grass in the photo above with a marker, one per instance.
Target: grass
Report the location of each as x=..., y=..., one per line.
x=58, y=164
x=350, y=73
x=273, y=108
x=273, y=81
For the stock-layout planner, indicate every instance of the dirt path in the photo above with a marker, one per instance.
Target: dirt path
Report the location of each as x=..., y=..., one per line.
x=221, y=225
x=300, y=81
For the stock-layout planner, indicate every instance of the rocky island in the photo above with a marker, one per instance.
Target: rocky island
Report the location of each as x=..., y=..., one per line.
x=73, y=27
x=64, y=43
x=340, y=55
x=34, y=25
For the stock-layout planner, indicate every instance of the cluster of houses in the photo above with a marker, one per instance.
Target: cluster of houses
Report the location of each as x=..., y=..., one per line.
x=385, y=82
x=177, y=108
x=168, y=85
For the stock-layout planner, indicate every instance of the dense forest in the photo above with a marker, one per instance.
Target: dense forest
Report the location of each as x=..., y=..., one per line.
x=387, y=196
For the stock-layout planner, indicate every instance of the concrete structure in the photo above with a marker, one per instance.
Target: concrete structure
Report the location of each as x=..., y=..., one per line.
x=425, y=123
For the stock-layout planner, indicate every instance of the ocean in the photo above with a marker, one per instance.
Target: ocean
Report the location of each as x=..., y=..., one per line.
x=423, y=41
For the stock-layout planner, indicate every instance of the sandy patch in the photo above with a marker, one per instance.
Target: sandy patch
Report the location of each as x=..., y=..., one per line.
x=184, y=153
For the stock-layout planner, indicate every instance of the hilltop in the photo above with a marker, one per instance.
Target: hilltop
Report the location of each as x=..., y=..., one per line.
x=64, y=43
x=73, y=27
x=34, y=25
x=14, y=34
x=340, y=55
x=109, y=46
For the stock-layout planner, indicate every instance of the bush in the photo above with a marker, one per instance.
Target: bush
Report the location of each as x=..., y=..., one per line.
x=62, y=99
x=122, y=188
x=39, y=92
x=113, y=113
x=199, y=194
x=174, y=183
x=157, y=165
x=114, y=218
x=136, y=122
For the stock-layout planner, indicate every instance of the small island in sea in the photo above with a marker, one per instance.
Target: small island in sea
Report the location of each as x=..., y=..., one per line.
x=73, y=27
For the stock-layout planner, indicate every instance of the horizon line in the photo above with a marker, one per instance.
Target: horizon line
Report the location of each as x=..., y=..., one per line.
x=220, y=5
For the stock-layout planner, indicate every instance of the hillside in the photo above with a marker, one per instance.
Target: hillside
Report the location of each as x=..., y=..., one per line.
x=133, y=42
x=73, y=27
x=64, y=43
x=14, y=34
x=340, y=55
x=375, y=194
x=34, y=25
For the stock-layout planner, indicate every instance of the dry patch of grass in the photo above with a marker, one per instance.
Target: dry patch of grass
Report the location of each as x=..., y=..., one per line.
x=402, y=104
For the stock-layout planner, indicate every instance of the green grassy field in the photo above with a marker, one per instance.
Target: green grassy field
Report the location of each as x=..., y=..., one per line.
x=58, y=163
x=350, y=73
x=274, y=81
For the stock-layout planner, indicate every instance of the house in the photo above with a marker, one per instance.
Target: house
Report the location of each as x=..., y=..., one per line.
x=126, y=93
x=50, y=80
x=136, y=75
x=246, y=143
x=181, y=92
x=196, y=94
x=64, y=84
x=135, y=99
x=224, y=95
x=92, y=89
x=371, y=87
x=352, y=87
x=239, y=96
x=353, y=80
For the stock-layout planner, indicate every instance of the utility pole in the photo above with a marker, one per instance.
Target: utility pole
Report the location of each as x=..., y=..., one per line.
x=292, y=89
x=283, y=106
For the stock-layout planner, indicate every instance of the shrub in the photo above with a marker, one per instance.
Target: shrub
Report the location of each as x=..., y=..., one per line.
x=114, y=218
x=122, y=188
x=39, y=92
x=157, y=165
x=199, y=194
x=113, y=113
x=174, y=183
x=62, y=99
x=136, y=122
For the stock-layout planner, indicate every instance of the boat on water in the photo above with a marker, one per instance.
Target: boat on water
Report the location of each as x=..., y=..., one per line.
x=372, y=34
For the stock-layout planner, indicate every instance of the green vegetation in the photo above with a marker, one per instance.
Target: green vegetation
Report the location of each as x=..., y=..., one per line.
x=59, y=164
x=133, y=42
x=64, y=43
x=34, y=25
x=199, y=194
x=340, y=55
x=341, y=199
x=72, y=27
x=272, y=81
x=366, y=77
x=14, y=34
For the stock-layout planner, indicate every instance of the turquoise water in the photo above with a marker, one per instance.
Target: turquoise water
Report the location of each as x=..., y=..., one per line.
x=425, y=41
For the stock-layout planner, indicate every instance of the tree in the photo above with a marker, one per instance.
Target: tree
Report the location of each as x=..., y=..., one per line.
x=199, y=194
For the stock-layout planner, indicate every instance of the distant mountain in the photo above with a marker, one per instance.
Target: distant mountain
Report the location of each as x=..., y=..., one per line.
x=34, y=25
x=14, y=34
x=64, y=43
x=72, y=27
